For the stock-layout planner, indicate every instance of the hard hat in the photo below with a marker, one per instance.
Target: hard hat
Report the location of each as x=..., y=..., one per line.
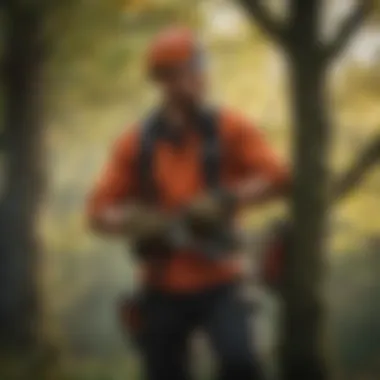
x=172, y=47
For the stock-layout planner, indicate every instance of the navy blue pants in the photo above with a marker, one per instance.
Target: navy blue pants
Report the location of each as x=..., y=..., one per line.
x=169, y=321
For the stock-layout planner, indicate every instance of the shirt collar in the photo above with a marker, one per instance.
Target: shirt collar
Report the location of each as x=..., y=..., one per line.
x=176, y=135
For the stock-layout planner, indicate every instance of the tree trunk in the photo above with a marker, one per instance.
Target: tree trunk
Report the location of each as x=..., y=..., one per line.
x=302, y=325
x=23, y=176
x=302, y=333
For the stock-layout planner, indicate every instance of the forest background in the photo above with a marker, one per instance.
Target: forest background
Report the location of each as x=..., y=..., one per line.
x=94, y=86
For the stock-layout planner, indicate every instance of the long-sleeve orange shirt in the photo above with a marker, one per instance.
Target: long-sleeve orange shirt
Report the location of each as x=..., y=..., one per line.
x=179, y=178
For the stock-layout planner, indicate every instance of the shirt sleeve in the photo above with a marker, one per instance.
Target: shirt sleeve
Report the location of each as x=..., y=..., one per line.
x=117, y=183
x=254, y=158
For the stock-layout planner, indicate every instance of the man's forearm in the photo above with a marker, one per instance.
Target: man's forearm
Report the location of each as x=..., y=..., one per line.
x=115, y=220
x=133, y=221
x=259, y=191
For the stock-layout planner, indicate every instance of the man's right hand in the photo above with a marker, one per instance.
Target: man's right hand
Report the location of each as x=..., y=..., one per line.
x=145, y=224
x=149, y=232
x=207, y=214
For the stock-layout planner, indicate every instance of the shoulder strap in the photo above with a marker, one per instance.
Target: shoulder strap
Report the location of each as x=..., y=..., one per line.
x=211, y=148
x=148, y=137
x=211, y=153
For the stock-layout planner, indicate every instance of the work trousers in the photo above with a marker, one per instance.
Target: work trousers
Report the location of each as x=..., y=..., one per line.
x=170, y=320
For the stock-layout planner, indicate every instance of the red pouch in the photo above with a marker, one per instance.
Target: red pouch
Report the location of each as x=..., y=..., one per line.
x=130, y=315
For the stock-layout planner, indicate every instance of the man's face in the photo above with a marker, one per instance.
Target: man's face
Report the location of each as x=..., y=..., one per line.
x=182, y=86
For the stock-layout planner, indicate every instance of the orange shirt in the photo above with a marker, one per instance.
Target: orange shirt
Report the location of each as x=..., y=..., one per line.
x=179, y=177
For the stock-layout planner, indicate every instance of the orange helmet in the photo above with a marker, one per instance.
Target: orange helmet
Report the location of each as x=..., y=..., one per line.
x=172, y=47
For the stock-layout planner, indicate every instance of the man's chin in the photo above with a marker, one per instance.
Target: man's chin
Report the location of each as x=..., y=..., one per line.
x=190, y=106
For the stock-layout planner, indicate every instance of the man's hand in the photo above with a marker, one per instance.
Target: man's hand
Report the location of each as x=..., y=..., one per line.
x=143, y=226
x=146, y=225
x=209, y=212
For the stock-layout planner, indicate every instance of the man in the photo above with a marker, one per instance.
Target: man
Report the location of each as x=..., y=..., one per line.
x=186, y=289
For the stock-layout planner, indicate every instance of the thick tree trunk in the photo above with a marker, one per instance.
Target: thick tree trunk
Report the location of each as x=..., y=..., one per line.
x=302, y=325
x=302, y=332
x=23, y=178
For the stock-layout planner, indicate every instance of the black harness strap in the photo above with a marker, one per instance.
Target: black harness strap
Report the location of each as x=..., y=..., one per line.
x=211, y=149
x=211, y=153
x=145, y=175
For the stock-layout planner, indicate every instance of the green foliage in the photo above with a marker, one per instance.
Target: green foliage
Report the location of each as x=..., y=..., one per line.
x=96, y=47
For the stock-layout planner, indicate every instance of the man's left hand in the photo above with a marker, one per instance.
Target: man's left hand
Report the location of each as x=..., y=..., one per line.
x=209, y=212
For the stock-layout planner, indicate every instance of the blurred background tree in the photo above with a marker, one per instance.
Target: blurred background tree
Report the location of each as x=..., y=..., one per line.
x=23, y=180
x=309, y=58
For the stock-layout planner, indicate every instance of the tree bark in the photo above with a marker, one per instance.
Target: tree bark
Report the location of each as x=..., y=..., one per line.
x=301, y=356
x=24, y=176
x=309, y=58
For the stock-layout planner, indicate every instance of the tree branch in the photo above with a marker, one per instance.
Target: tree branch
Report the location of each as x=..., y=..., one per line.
x=347, y=29
x=264, y=20
x=351, y=178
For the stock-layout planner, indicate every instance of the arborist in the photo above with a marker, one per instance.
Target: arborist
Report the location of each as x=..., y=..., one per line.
x=178, y=177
